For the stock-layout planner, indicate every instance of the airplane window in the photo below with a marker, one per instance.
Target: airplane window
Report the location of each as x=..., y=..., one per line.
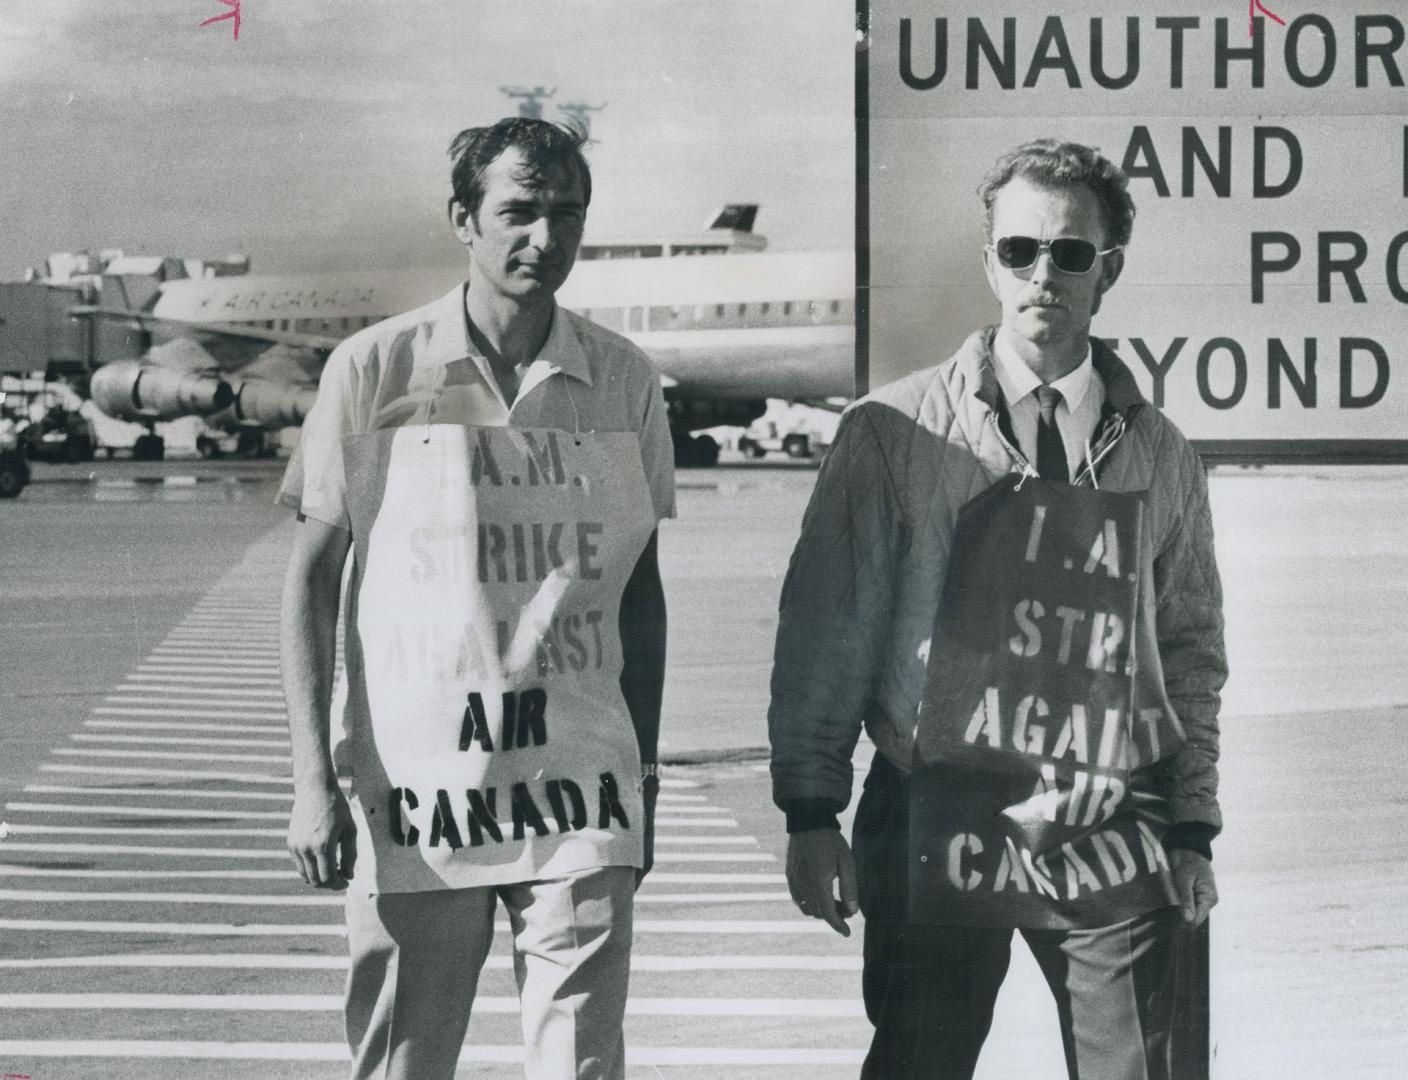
x=742, y=310
x=764, y=307
x=835, y=307
x=719, y=311
x=787, y=307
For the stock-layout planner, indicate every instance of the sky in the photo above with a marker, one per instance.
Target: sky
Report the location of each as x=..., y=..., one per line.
x=317, y=140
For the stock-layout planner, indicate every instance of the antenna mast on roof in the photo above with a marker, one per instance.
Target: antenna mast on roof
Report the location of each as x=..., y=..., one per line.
x=530, y=99
x=578, y=116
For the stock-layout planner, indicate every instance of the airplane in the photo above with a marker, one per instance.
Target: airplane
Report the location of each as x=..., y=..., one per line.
x=727, y=324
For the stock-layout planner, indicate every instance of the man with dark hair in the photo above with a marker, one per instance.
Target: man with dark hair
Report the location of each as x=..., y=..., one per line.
x=1006, y=576
x=497, y=468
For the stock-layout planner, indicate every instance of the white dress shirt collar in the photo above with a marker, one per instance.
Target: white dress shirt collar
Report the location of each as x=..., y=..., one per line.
x=1017, y=380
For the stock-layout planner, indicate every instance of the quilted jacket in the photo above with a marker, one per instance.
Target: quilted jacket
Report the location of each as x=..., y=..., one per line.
x=859, y=599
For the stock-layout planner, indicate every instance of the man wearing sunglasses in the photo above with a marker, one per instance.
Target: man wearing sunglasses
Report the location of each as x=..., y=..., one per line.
x=1034, y=400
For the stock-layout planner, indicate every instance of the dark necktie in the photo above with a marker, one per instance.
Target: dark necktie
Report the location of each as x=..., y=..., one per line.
x=1050, y=449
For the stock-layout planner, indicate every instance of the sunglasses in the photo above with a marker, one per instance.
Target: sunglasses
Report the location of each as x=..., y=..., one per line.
x=1069, y=255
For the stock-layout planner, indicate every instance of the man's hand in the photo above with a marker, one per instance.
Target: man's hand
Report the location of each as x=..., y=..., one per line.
x=816, y=860
x=649, y=790
x=1194, y=883
x=322, y=837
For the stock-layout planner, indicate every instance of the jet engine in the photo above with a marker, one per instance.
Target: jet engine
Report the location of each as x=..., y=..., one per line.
x=128, y=390
x=272, y=405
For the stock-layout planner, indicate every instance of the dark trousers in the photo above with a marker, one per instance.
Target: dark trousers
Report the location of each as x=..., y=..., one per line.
x=930, y=990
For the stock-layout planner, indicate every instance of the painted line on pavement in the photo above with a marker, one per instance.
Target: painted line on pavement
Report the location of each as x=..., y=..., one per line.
x=325, y=899
x=704, y=927
x=170, y=774
x=204, y=709
x=285, y=962
x=206, y=657
x=155, y=792
x=713, y=856
x=335, y=1051
x=483, y=1004
x=138, y=830
x=151, y=811
x=242, y=874
x=178, y=665
x=706, y=839
x=134, y=849
x=167, y=687
x=185, y=725
x=176, y=740
x=167, y=676
x=282, y=854
x=169, y=755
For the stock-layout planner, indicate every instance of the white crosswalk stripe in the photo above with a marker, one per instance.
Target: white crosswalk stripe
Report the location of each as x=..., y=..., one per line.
x=160, y=823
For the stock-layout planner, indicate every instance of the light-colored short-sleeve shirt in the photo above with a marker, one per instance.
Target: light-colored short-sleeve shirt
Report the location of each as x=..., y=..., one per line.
x=421, y=368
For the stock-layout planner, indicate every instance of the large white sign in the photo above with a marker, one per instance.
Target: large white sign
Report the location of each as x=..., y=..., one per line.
x=1265, y=290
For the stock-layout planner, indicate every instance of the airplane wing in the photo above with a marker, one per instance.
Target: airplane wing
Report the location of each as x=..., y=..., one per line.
x=243, y=331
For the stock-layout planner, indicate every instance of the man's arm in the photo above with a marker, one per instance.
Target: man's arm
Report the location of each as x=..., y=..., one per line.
x=321, y=836
x=1194, y=661
x=643, y=627
x=833, y=623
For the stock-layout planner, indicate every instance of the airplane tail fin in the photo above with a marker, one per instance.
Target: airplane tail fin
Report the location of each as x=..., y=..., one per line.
x=736, y=216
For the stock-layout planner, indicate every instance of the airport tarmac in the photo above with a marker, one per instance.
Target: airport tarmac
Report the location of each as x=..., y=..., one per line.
x=110, y=577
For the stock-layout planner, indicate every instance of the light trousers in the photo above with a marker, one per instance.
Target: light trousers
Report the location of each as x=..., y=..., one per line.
x=416, y=958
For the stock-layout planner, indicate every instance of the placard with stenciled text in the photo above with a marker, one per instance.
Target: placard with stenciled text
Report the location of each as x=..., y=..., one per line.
x=1265, y=291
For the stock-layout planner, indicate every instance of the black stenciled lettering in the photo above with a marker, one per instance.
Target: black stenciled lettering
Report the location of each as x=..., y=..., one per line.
x=483, y=464
x=475, y=726
x=405, y=835
x=547, y=549
x=545, y=461
x=525, y=812
x=593, y=619
x=520, y=552
x=483, y=816
x=576, y=648
x=532, y=717
x=587, y=549
x=577, y=819
x=550, y=658
x=609, y=803
x=442, y=823
x=492, y=547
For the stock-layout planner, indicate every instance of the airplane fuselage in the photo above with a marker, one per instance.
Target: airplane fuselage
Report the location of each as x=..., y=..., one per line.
x=726, y=327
